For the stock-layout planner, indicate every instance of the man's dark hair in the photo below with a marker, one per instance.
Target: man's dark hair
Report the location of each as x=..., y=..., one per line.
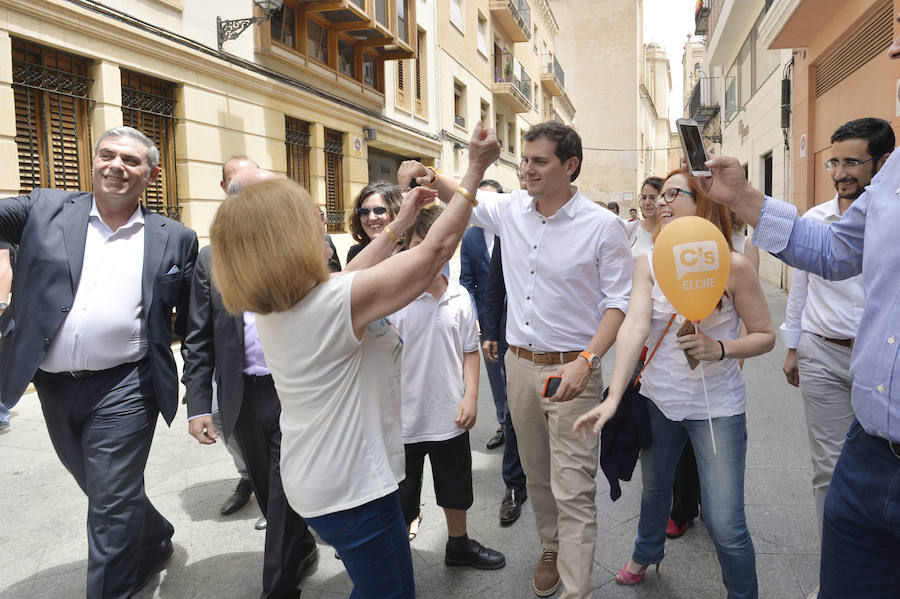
x=568, y=142
x=613, y=207
x=878, y=134
x=491, y=183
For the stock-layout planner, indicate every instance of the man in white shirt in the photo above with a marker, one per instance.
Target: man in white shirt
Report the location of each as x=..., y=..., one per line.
x=823, y=316
x=97, y=279
x=567, y=268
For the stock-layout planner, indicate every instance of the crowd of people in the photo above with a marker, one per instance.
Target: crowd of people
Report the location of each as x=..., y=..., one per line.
x=333, y=384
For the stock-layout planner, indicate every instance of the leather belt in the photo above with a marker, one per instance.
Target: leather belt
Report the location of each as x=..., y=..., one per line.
x=257, y=379
x=557, y=357
x=79, y=375
x=892, y=446
x=841, y=342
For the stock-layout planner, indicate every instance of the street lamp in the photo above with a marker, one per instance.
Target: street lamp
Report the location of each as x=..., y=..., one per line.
x=231, y=29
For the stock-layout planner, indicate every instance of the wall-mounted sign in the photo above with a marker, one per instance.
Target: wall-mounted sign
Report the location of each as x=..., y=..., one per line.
x=803, y=145
x=357, y=146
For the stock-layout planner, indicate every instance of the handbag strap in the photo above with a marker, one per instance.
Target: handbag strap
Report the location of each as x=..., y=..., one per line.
x=655, y=347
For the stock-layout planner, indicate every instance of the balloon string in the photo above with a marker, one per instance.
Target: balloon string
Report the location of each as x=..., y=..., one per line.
x=706, y=397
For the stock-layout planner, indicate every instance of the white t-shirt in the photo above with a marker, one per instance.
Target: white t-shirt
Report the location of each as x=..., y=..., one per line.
x=341, y=443
x=435, y=335
x=641, y=240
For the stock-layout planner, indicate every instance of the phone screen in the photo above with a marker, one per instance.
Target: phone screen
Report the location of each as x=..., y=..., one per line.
x=693, y=147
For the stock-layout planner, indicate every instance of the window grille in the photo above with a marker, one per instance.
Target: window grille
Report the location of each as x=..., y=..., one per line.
x=296, y=140
x=148, y=105
x=51, y=97
x=334, y=180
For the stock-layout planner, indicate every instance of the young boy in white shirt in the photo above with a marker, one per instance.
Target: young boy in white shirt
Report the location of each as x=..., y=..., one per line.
x=439, y=394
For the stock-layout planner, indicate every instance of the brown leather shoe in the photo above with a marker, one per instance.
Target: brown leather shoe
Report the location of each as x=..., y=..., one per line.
x=546, y=576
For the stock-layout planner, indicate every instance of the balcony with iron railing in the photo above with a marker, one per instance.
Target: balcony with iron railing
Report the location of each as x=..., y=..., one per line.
x=514, y=17
x=552, y=75
x=703, y=103
x=511, y=83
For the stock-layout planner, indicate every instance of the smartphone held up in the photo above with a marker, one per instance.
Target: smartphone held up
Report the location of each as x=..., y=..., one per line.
x=692, y=145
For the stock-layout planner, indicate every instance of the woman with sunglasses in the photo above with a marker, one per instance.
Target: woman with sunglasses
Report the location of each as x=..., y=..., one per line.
x=373, y=209
x=677, y=409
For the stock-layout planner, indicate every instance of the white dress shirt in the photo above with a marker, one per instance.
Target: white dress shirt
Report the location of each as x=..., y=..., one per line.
x=489, y=242
x=826, y=308
x=105, y=326
x=562, y=272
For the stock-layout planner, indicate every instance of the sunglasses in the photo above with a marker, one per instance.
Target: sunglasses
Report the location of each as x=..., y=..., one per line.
x=378, y=210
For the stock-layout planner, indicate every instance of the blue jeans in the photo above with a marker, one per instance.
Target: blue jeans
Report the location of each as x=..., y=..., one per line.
x=861, y=530
x=721, y=486
x=373, y=544
x=4, y=414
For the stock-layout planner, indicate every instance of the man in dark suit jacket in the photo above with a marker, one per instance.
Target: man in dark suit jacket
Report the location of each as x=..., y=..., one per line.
x=97, y=279
x=226, y=346
x=474, y=264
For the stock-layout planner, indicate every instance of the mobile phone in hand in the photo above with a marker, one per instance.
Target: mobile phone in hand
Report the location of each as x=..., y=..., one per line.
x=688, y=328
x=692, y=144
x=551, y=385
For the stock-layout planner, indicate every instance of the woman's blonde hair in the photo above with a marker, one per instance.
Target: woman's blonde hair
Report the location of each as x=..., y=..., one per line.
x=267, y=247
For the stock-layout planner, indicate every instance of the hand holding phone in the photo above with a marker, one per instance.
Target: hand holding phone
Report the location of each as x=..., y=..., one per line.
x=692, y=145
x=688, y=329
x=551, y=385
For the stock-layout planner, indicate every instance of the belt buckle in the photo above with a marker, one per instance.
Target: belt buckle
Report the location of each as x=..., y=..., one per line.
x=543, y=354
x=892, y=446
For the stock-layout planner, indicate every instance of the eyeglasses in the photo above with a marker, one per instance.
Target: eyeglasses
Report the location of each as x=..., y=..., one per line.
x=322, y=217
x=378, y=210
x=848, y=164
x=669, y=195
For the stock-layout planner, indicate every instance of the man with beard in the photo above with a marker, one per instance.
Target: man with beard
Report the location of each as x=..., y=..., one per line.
x=822, y=316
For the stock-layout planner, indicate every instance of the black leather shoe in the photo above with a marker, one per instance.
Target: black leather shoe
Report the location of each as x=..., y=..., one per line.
x=157, y=564
x=497, y=440
x=306, y=564
x=239, y=498
x=511, y=506
x=474, y=555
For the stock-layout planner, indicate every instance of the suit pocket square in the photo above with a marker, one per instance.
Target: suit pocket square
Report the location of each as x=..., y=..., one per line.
x=173, y=270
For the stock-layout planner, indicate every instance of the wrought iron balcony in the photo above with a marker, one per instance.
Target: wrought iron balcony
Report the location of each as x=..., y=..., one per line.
x=552, y=75
x=704, y=101
x=514, y=17
x=511, y=83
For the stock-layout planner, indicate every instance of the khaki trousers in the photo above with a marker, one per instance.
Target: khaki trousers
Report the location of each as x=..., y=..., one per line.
x=560, y=469
x=825, y=383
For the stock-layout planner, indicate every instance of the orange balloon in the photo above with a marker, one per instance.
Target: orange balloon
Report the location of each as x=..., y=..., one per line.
x=691, y=262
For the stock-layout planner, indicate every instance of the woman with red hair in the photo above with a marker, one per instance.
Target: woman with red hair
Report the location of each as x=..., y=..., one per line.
x=677, y=408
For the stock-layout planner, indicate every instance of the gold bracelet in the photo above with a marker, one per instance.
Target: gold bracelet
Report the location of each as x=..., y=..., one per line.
x=393, y=236
x=433, y=178
x=467, y=194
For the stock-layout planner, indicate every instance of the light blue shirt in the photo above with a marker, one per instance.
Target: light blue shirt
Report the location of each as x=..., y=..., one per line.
x=835, y=251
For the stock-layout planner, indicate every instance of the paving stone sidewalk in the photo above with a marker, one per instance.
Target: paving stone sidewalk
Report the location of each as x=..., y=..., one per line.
x=43, y=546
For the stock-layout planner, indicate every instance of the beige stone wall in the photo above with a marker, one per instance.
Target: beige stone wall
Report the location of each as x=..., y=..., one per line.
x=599, y=44
x=221, y=108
